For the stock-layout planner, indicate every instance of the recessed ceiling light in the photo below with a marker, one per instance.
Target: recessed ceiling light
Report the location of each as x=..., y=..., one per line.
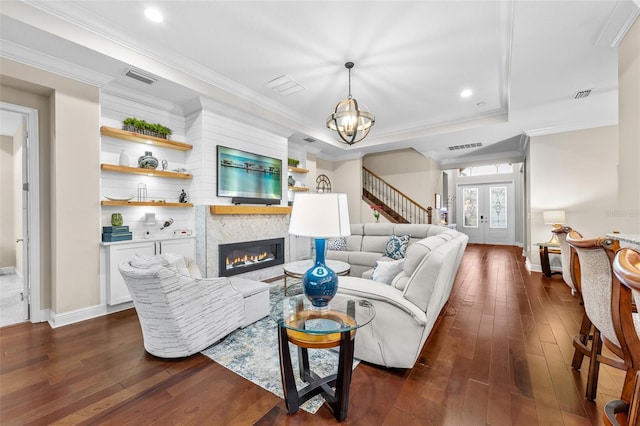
x=153, y=15
x=466, y=93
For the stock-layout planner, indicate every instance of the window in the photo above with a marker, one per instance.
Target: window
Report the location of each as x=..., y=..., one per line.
x=494, y=169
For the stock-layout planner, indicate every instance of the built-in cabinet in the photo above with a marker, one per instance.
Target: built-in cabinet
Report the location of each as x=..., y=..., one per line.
x=116, y=289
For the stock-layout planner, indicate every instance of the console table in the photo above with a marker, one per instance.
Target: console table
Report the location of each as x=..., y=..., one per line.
x=310, y=328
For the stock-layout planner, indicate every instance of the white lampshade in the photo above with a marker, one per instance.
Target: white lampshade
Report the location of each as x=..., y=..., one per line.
x=320, y=215
x=554, y=217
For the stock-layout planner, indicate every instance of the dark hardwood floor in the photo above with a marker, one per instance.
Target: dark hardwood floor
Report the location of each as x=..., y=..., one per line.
x=500, y=355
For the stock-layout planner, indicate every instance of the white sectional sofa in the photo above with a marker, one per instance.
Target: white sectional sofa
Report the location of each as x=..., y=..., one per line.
x=408, y=306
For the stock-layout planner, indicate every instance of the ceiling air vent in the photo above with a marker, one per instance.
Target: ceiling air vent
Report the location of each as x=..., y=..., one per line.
x=582, y=94
x=465, y=146
x=284, y=85
x=310, y=140
x=137, y=75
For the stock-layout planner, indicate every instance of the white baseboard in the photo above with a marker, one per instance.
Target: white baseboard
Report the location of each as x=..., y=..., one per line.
x=8, y=270
x=538, y=268
x=59, y=320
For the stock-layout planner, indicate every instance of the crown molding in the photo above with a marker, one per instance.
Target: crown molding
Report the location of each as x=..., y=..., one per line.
x=542, y=131
x=620, y=21
x=36, y=59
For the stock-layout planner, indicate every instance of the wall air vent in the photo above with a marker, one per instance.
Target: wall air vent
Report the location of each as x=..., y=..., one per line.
x=310, y=140
x=284, y=85
x=582, y=94
x=465, y=146
x=137, y=75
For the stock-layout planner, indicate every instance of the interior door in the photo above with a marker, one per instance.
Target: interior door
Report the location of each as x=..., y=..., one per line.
x=24, y=225
x=487, y=212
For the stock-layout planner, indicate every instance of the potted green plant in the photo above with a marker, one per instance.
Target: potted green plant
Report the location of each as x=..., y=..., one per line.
x=293, y=162
x=132, y=124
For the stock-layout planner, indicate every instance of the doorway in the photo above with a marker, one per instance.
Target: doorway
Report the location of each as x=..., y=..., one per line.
x=19, y=264
x=486, y=212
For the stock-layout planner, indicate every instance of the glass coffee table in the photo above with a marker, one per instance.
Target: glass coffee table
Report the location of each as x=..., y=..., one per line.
x=298, y=268
x=311, y=328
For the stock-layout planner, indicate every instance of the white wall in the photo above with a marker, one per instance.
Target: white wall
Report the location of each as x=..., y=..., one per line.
x=629, y=131
x=347, y=179
x=75, y=195
x=575, y=172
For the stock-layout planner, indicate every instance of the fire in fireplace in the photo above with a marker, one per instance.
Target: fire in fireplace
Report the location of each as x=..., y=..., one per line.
x=238, y=258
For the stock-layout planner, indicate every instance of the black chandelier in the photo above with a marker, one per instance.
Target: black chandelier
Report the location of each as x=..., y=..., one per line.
x=347, y=120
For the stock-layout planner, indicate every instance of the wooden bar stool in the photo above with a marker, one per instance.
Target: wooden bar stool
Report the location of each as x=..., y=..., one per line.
x=626, y=321
x=596, y=281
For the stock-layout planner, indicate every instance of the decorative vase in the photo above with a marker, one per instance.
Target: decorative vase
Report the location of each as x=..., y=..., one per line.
x=291, y=181
x=148, y=161
x=124, y=158
x=116, y=219
x=320, y=283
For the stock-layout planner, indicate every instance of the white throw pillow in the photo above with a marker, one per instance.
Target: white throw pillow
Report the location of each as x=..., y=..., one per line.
x=194, y=271
x=178, y=262
x=141, y=261
x=385, y=271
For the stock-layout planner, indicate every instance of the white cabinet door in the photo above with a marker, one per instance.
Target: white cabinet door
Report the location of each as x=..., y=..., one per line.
x=184, y=247
x=117, y=291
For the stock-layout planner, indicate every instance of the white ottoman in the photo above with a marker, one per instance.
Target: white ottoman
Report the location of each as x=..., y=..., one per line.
x=256, y=298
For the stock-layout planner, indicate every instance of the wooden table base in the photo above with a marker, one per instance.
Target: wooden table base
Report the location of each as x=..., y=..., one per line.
x=334, y=388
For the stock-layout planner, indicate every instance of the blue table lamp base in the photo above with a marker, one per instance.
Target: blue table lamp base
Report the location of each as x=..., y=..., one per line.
x=320, y=283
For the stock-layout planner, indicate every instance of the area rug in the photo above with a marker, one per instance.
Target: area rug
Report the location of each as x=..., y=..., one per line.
x=252, y=353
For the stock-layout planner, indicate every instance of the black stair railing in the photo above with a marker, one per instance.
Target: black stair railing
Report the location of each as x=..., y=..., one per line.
x=396, y=206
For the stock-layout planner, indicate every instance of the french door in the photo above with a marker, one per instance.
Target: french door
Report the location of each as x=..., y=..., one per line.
x=486, y=213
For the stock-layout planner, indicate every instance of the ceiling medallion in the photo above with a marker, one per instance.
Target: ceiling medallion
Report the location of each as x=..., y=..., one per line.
x=347, y=120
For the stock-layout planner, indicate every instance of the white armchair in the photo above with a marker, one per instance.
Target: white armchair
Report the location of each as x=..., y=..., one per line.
x=181, y=315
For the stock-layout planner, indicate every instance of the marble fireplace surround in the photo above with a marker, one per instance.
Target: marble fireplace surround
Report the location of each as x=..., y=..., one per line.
x=231, y=224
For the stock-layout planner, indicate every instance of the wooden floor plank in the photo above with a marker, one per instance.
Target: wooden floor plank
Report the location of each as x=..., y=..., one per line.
x=499, y=355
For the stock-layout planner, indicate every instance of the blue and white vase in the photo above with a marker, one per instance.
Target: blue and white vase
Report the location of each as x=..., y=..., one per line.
x=148, y=161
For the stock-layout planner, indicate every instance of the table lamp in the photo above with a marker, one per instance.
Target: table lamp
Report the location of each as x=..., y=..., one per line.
x=555, y=218
x=320, y=216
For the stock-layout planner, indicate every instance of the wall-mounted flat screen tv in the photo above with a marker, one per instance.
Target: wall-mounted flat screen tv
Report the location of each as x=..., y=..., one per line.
x=243, y=174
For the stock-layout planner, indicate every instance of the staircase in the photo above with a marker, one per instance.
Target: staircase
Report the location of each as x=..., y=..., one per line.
x=396, y=206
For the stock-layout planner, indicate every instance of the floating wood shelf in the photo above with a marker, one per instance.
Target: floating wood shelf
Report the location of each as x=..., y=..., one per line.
x=146, y=172
x=144, y=139
x=297, y=188
x=144, y=203
x=250, y=209
x=297, y=170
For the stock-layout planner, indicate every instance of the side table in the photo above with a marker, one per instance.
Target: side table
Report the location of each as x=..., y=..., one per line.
x=311, y=328
x=545, y=249
x=298, y=268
